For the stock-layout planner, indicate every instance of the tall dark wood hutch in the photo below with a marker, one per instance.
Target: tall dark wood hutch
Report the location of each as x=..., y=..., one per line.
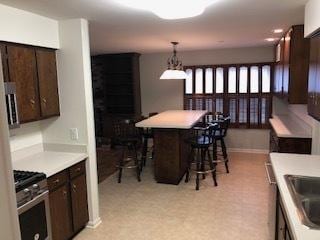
x=116, y=90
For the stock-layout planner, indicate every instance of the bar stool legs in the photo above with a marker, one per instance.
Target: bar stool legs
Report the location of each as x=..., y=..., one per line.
x=200, y=162
x=225, y=155
x=144, y=151
x=126, y=159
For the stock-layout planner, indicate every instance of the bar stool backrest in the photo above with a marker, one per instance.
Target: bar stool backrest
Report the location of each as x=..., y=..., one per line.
x=125, y=129
x=205, y=135
x=224, y=126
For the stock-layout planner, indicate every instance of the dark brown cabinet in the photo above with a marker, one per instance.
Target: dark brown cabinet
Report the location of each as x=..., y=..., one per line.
x=283, y=231
x=68, y=201
x=3, y=52
x=48, y=84
x=292, y=64
x=314, y=78
x=34, y=72
x=79, y=202
x=60, y=213
x=289, y=145
x=22, y=71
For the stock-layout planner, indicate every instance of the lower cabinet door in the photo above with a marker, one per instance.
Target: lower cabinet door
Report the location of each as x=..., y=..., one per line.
x=281, y=228
x=79, y=202
x=60, y=211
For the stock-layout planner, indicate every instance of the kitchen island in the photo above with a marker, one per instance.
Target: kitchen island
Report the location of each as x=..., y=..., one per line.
x=171, y=152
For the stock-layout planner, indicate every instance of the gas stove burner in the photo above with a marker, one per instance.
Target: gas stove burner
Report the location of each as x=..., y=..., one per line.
x=23, y=179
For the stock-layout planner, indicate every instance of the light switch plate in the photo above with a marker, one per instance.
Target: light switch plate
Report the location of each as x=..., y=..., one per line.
x=74, y=135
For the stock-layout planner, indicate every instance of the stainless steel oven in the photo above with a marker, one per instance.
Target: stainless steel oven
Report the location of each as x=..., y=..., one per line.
x=272, y=200
x=34, y=218
x=33, y=205
x=11, y=104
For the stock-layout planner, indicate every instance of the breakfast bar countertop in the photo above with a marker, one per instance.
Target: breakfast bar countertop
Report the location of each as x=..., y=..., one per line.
x=178, y=119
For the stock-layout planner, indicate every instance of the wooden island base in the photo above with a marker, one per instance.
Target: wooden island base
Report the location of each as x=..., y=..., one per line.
x=171, y=154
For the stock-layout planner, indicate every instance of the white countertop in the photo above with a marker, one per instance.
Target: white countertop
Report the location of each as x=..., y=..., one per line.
x=179, y=119
x=285, y=126
x=295, y=164
x=48, y=162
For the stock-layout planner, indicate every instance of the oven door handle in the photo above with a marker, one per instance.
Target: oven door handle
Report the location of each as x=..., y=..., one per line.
x=267, y=166
x=42, y=197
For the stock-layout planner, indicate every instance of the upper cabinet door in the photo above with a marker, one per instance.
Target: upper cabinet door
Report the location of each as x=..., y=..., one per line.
x=48, y=83
x=3, y=53
x=286, y=63
x=312, y=75
x=22, y=71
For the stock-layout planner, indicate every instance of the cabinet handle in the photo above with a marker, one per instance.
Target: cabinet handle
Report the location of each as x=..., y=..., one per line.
x=32, y=102
x=57, y=181
x=78, y=169
x=44, y=101
x=74, y=187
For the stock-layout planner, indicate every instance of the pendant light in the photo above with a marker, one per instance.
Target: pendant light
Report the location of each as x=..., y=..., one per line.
x=175, y=68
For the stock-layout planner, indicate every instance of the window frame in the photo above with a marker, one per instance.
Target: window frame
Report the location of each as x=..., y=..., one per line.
x=199, y=101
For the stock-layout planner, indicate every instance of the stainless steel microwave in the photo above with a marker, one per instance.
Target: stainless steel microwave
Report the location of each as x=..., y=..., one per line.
x=11, y=104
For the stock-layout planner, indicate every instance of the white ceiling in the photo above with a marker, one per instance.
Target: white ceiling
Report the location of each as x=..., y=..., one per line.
x=226, y=23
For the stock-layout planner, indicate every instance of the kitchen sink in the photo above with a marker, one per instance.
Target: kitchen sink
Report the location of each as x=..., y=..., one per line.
x=306, y=194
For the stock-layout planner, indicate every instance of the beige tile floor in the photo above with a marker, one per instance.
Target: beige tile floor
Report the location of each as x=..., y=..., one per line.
x=236, y=209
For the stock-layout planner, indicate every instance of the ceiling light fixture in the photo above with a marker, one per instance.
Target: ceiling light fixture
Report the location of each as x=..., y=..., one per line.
x=270, y=39
x=170, y=9
x=278, y=30
x=175, y=68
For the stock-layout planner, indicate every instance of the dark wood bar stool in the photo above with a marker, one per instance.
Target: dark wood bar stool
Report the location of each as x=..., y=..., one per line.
x=127, y=136
x=200, y=160
x=147, y=134
x=220, y=154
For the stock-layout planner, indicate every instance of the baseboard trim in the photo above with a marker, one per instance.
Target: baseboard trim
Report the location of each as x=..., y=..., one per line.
x=94, y=224
x=244, y=150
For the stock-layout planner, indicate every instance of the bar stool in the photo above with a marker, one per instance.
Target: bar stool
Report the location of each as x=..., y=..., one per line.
x=147, y=134
x=127, y=136
x=200, y=143
x=221, y=149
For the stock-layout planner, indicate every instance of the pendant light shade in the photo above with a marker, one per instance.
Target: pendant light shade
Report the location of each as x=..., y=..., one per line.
x=175, y=68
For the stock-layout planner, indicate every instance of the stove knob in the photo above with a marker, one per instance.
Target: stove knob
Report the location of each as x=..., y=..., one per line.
x=27, y=192
x=36, y=187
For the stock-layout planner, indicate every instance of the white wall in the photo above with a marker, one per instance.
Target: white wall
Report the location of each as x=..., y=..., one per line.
x=311, y=17
x=160, y=95
x=76, y=105
x=24, y=27
x=27, y=135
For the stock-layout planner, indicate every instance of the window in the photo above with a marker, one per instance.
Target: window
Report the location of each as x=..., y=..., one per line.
x=219, y=80
x=232, y=80
x=199, y=80
x=209, y=80
x=242, y=91
x=254, y=79
x=189, y=84
x=243, y=80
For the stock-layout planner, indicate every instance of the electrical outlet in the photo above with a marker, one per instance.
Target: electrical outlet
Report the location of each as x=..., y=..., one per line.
x=74, y=135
